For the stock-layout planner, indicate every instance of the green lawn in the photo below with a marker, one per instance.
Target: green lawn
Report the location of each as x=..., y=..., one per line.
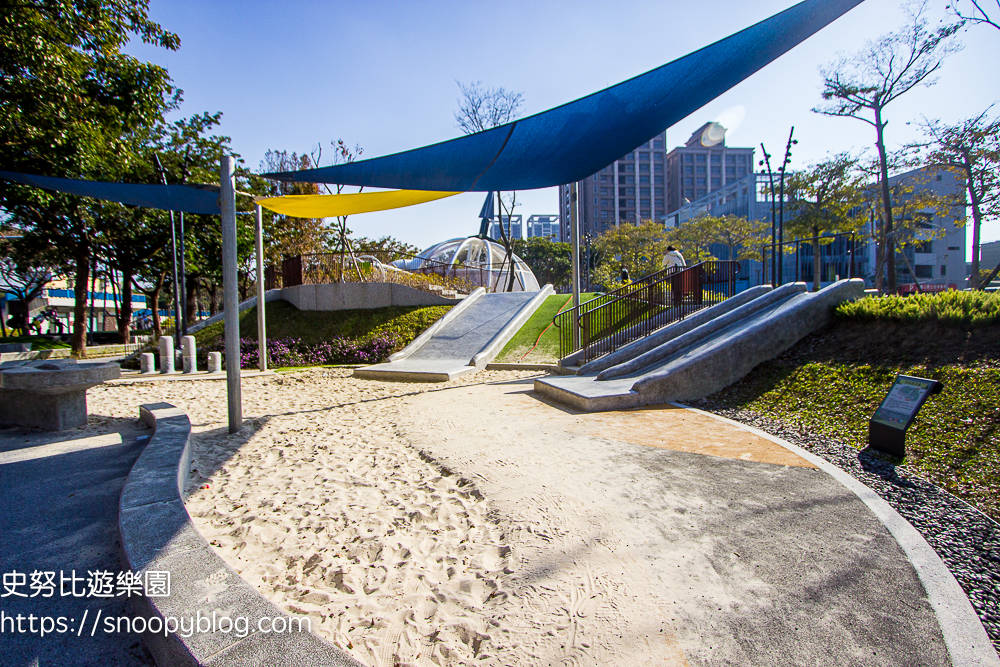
x=315, y=326
x=519, y=349
x=37, y=342
x=831, y=383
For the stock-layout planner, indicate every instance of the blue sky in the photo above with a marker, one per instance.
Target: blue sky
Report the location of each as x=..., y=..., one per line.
x=289, y=75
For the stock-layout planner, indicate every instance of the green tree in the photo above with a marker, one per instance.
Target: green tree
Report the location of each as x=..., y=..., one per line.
x=862, y=85
x=826, y=198
x=741, y=236
x=638, y=248
x=550, y=261
x=694, y=238
x=70, y=101
x=971, y=150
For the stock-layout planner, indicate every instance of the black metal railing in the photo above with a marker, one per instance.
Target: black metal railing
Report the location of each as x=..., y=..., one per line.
x=628, y=313
x=838, y=258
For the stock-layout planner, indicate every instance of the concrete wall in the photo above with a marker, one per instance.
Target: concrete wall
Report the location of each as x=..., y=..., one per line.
x=349, y=296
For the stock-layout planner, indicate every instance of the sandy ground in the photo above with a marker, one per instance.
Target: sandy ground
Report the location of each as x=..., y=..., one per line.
x=471, y=522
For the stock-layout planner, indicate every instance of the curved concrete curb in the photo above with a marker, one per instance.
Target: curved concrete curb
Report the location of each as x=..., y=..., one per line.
x=157, y=535
x=964, y=634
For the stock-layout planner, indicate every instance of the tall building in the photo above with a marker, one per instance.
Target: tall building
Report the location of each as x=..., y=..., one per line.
x=627, y=191
x=511, y=225
x=704, y=165
x=935, y=239
x=544, y=226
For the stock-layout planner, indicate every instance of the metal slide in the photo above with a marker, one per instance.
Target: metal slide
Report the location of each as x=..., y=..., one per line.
x=463, y=341
x=703, y=354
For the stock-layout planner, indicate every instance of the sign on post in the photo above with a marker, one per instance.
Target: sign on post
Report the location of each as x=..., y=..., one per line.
x=887, y=427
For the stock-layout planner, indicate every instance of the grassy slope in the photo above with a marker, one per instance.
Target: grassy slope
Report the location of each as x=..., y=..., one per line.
x=314, y=326
x=548, y=347
x=37, y=342
x=832, y=381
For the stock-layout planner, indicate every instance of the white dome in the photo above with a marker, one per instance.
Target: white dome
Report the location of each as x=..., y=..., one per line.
x=479, y=261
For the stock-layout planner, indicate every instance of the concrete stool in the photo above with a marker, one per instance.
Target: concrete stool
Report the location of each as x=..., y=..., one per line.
x=147, y=363
x=50, y=395
x=189, y=360
x=214, y=362
x=166, y=354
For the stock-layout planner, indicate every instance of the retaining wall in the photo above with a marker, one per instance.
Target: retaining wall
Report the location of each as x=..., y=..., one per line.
x=350, y=296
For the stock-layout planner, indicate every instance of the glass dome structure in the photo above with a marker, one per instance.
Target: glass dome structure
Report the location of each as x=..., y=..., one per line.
x=481, y=262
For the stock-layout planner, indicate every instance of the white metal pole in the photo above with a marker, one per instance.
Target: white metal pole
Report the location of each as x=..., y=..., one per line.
x=574, y=230
x=230, y=295
x=261, y=326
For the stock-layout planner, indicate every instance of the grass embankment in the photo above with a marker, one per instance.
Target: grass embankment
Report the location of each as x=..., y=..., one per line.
x=519, y=348
x=37, y=342
x=312, y=329
x=832, y=381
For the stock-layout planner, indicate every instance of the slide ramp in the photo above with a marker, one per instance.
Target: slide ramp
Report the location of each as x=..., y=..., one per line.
x=691, y=363
x=467, y=338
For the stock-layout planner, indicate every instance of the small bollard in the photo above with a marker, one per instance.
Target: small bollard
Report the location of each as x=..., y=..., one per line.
x=147, y=363
x=189, y=362
x=214, y=362
x=166, y=354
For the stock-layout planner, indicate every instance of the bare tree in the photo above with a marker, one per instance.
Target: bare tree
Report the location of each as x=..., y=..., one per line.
x=860, y=86
x=342, y=154
x=482, y=108
x=971, y=150
x=975, y=14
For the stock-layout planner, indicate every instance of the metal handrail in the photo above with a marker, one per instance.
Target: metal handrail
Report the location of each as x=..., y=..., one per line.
x=632, y=311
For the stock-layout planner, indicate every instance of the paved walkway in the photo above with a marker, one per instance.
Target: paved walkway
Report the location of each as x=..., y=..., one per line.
x=60, y=514
x=741, y=551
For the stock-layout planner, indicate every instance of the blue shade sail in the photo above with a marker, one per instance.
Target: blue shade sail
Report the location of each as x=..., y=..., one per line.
x=203, y=199
x=572, y=141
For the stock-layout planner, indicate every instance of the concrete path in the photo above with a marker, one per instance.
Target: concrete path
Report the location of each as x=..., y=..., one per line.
x=709, y=544
x=60, y=514
x=466, y=343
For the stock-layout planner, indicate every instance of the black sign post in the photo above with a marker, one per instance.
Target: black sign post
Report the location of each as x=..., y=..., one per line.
x=887, y=427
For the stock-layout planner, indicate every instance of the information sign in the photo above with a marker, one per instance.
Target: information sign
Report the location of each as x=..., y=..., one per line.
x=887, y=428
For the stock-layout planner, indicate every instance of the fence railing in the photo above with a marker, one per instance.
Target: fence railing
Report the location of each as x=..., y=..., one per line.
x=628, y=313
x=432, y=276
x=838, y=255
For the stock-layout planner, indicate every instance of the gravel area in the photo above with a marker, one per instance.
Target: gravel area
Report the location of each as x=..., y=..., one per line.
x=966, y=539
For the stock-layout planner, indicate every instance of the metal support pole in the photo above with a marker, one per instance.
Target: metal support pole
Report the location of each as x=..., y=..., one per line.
x=182, y=280
x=261, y=325
x=230, y=295
x=574, y=231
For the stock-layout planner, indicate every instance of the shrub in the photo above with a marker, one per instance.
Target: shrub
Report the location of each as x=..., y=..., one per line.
x=960, y=309
x=283, y=352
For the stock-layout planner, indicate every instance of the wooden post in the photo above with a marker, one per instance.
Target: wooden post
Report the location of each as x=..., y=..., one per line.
x=230, y=294
x=261, y=325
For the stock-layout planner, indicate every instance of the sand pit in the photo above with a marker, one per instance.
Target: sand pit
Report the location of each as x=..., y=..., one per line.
x=471, y=523
x=324, y=505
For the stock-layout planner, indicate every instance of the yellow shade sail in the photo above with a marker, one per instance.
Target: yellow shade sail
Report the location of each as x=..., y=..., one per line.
x=330, y=206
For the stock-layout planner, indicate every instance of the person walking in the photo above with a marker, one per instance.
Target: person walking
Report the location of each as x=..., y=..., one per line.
x=673, y=258
x=625, y=279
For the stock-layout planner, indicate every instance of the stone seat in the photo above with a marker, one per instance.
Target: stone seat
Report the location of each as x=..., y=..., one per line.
x=50, y=395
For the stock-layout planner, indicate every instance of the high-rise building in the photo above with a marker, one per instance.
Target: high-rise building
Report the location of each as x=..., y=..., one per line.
x=627, y=191
x=704, y=165
x=511, y=225
x=544, y=226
